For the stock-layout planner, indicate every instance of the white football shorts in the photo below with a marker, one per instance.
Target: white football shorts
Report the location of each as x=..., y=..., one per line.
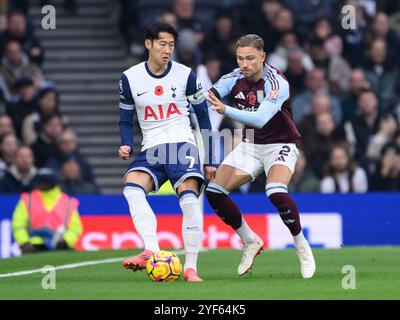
x=253, y=158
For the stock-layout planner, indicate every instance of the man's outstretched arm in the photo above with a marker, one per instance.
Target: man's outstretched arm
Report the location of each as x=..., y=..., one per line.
x=267, y=109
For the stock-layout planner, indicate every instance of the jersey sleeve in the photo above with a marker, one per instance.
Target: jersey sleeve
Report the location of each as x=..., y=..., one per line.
x=194, y=90
x=276, y=94
x=224, y=85
x=195, y=95
x=125, y=95
x=126, y=109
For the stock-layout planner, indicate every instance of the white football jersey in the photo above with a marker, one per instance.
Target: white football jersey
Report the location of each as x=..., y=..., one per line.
x=161, y=102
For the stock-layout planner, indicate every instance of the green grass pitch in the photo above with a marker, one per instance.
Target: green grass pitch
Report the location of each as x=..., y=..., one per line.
x=275, y=275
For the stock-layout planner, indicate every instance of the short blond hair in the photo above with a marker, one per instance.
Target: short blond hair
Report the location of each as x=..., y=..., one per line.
x=251, y=40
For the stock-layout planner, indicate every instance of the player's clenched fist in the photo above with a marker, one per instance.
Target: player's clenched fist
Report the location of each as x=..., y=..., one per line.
x=210, y=173
x=124, y=152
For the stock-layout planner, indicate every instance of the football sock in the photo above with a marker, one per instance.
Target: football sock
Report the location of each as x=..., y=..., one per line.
x=224, y=207
x=278, y=195
x=192, y=227
x=300, y=240
x=143, y=216
x=245, y=233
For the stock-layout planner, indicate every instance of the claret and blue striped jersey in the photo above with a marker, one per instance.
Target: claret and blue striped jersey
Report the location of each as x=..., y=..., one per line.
x=272, y=92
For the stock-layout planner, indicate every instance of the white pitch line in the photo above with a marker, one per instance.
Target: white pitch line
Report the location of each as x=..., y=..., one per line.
x=68, y=266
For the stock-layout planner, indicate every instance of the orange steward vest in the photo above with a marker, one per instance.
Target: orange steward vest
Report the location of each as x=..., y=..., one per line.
x=58, y=217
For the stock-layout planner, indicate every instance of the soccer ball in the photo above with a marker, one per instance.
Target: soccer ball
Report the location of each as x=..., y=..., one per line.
x=164, y=266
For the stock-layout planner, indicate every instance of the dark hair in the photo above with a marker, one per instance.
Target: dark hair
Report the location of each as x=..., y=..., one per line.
x=366, y=90
x=153, y=31
x=351, y=165
x=16, y=11
x=44, y=92
x=46, y=119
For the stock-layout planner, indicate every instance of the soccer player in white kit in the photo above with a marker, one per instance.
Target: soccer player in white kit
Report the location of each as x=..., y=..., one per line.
x=161, y=91
x=261, y=97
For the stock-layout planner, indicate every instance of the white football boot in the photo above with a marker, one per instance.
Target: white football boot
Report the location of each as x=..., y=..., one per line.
x=249, y=253
x=307, y=262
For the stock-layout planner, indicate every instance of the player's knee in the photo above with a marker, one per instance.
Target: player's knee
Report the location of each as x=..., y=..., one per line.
x=214, y=189
x=276, y=193
x=188, y=196
x=133, y=190
x=189, y=203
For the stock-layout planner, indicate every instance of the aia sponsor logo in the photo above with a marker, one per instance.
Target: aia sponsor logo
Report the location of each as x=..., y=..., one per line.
x=158, y=113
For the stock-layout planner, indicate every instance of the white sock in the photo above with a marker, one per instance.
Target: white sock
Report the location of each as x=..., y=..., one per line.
x=192, y=228
x=245, y=233
x=143, y=217
x=300, y=240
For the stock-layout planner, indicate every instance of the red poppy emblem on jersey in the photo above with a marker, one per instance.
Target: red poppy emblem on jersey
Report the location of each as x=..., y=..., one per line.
x=159, y=90
x=252, y=98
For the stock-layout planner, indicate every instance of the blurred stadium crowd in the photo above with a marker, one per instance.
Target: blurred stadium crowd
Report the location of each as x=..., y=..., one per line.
x=345, y=86
x=33, y=131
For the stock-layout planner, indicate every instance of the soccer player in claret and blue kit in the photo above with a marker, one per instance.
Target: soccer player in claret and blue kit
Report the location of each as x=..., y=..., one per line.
x=161, y=92
x=261, y=97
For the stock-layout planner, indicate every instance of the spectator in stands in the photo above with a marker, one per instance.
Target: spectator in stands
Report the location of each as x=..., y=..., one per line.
x=396, y=139
x=46, y=146
x=72, y=180
x=321, y=30
x=321, y=103
x=258, y=16
x=219, y=39
x=8, y=149
x=19, y=177
x=342, y=174
x=315, y=83
x=6, y=125
x=281, y=24
x=297, y=68
x=365, y=123
x=209, y=72
x=327, y=135
x=336, y=68
x=187, y=50
x=357, y=83
x=304, y=180
x=184, y=10
x=17, y=31
x=354, y=42
x=380, y=73
x=24, y=104
x=46, y=218
x=48, y=104
x=385, y=135
x=380, y=29
x=387, y=175
x=68, y=147
x=13, y=64
x=170, y=18
x=307, y=12
x=279, y=58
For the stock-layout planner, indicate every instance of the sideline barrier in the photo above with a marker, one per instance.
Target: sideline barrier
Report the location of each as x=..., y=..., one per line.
x=329, y=221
